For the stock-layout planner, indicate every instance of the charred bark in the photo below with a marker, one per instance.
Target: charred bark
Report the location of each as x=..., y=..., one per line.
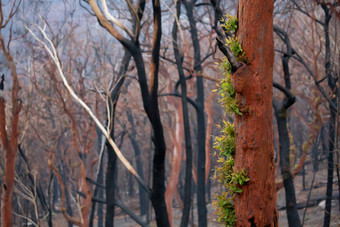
x=186, y=124
x=111, y=155
x=143, y=196
x=98, y=192
x=201, y=202
x=292, y=214
x=149, y=98
x=110, y=183
x=333, y=111
x=281, y=114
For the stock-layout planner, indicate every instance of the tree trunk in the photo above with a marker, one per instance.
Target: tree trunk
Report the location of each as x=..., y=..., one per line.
x=143, y=196
x=6, y=203
x=281, y=113
x=150, y=99
x=256, y=205
x=201, y=203
x=98, y=191
x=110, y=186
x=151, y=107
x=291, y=208
x=100, y=195
x=186, y=124
x=111, y=155
x=9, y=138
x=333, y=111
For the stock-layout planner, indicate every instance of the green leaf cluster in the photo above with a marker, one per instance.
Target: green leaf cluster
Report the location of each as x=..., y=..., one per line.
x=225, y=209
x=230, y=23
x=231, y=179
x=225, y=174
x=227, y=92
x=234, y=45
x=225, y=143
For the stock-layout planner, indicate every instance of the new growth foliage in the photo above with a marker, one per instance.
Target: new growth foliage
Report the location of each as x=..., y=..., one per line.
x=225, y=143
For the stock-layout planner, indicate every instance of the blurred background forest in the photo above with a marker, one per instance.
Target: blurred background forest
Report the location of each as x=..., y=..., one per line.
x=147, y=71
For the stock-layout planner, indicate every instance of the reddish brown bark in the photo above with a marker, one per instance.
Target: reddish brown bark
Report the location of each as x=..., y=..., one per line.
x=176, y=136
x=75, y=221
x=256, y=205
x=9, y=136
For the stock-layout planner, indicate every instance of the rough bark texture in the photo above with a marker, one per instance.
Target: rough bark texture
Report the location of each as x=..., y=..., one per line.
x=256, y=205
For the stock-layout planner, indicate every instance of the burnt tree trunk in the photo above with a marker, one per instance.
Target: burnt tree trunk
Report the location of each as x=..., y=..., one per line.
x=111, y=155
x=100, y=195
x=291, y=208
x=110, y=185
x=151, y=107
x=98, y=191
x=149, y=97
x=201, y=203
x=281, y=114
x=158, y=180
x=188, y=164
x=143, y=196
x=333, y=111
x=253, y=83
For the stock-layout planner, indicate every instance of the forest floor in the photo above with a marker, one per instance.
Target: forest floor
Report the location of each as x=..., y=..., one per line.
x=314, y=215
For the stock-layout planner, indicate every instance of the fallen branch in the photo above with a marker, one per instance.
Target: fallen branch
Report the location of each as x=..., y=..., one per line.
x=312, y=203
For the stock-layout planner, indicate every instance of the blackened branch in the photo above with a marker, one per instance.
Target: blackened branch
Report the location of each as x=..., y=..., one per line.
x=229, y=54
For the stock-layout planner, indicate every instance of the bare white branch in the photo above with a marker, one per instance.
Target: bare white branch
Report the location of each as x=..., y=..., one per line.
x=111, y=18
x=50, y=48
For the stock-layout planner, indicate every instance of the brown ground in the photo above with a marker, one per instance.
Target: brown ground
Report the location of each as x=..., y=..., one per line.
x=314, y=215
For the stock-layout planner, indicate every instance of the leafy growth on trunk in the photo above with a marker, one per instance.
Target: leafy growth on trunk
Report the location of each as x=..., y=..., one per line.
x=226, y=90
x=230, y=24
x=231, y=179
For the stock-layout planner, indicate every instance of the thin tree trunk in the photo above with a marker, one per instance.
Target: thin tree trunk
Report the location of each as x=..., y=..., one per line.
x=110, y=181
x=143, y=196
x=100, y=180
x=150, y=102
x=333, y=111
x=291, y=208
x=7, y=188
x=281, y=113
x=9, y=139
x=188, y=148
x=201, y=202
x=158, y=180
